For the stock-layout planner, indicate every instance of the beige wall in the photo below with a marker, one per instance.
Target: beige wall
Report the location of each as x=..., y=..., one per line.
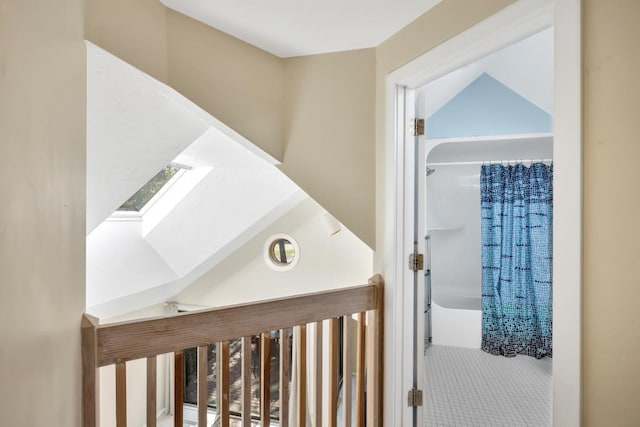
x=42, y=183
x=236, y=82
x=135, y=31
x=329, y=133
x=611, y=283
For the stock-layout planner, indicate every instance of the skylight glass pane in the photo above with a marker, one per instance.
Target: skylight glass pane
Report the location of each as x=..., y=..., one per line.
x=150, y=189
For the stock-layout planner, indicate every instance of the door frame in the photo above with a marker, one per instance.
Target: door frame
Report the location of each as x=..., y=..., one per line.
x=513, y=23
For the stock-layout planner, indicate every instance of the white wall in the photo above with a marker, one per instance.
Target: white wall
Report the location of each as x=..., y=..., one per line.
x=221, y=207
x=326, y=262
x=120, y=262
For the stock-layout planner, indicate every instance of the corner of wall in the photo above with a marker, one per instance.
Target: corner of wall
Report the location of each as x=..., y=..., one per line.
x=237, y=83
x=329, y=127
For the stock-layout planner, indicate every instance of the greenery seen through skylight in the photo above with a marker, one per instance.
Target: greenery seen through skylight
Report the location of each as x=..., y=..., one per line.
x=141, y=197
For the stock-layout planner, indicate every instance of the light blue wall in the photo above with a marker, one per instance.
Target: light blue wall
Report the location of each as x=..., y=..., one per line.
x=487, y=107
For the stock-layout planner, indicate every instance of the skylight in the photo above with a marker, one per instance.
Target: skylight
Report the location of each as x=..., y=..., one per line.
x=141, y=197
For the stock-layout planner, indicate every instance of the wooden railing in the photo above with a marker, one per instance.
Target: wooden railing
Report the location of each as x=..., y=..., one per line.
x=118, y=343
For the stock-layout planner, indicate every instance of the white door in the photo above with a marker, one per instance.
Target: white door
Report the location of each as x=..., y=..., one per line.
x=414, y=182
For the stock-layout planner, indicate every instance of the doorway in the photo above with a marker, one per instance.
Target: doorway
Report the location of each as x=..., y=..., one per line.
x=487, y=270
x=512, y=24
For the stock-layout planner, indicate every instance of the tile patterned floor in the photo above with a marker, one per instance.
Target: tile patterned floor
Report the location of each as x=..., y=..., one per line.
x=468, y=388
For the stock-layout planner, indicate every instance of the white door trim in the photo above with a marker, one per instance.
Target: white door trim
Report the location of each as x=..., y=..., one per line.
x=515, y=22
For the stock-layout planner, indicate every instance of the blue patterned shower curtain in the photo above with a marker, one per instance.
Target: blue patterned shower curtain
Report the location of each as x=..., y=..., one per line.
x=517, y=208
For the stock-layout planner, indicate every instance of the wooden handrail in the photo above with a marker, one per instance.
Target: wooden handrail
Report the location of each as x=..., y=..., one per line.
x=120, y=342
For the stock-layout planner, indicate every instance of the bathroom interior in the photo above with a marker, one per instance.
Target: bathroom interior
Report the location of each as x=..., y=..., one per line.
x=489, y=174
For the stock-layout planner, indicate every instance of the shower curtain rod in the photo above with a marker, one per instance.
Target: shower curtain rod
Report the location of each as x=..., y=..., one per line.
x=490, y=162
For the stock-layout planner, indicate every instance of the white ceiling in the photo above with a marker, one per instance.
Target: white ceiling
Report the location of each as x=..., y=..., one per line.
x=303, y=27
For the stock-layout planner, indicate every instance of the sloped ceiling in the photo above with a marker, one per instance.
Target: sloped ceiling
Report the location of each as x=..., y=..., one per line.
x=525, y=67
x=133, y=129
x=135, y=126
x=487, y=107
x=232, y=191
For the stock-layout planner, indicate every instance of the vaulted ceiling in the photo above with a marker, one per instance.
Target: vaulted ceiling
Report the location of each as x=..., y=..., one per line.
x=525, y=67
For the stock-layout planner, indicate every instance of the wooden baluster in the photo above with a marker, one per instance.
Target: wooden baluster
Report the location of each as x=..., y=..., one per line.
x=246, y=381
x=178, y=387
x=318, y=375
x=360, y=364
x=285, y=368
x=347, y=367
x=121, y=394
x=265, y=378
x=203, y=398
x=151, y=391
x=333, y=372
x=301, y=362
x=90, y=372
x=225, y=416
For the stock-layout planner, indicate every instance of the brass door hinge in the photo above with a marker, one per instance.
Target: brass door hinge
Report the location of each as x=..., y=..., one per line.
x=417, y=127
x=416, y=262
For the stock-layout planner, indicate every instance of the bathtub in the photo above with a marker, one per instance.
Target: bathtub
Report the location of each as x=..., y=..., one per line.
x=456, y=327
